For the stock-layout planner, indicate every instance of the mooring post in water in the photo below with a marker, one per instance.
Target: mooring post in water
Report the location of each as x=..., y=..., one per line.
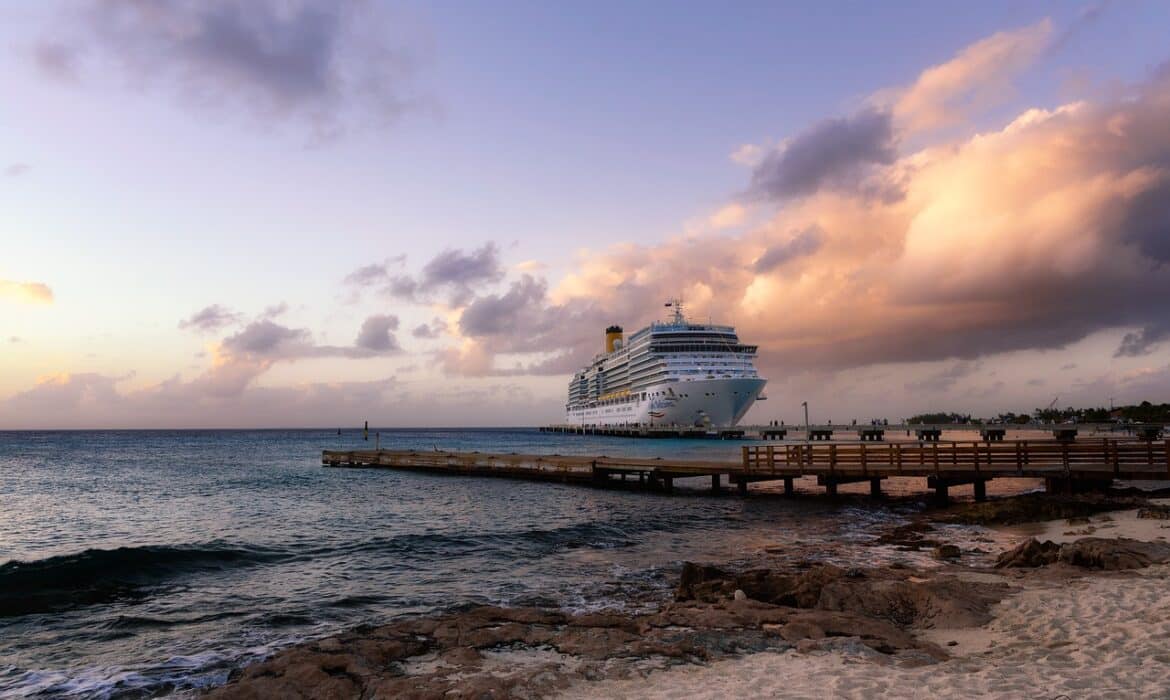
x=715, y=483
x=366, y=431
x=788, y=487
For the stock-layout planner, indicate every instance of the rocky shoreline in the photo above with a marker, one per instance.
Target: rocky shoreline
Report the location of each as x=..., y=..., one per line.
x=717, y=613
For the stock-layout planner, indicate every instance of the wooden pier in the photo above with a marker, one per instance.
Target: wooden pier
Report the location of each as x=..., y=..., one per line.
x=1064, y=465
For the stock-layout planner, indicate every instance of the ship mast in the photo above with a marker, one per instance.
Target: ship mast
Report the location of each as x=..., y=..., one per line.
x=677, y=304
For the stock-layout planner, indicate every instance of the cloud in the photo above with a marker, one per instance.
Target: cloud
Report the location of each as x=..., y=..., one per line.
x=30, y=292
x=274, y=311
x=16, y=169
x=270, y=339
x=801, y=244
x=460, y=272
x=91, y=400
x=265, y=340
x=56, y=60
x=748, y=155
x=1030, y=236
x=504, y=314
x=433, y=330
x=330, y=65
x=14, y=339
x=375, y=334
x=524, y=322
x=835, y=153
x=729, y=216
x=944, y=380
x=210, y=318
x=976, y=78
x=1144, y=341
x=452, y=272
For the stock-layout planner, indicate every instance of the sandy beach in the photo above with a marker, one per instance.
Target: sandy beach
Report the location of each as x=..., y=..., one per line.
x=1102, y=635
x=1084, y=616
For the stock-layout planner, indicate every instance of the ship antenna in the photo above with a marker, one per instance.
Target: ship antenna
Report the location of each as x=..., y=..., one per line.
x=677, y=304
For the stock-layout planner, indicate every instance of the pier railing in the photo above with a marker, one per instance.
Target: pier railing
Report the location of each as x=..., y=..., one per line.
x=1104, y=458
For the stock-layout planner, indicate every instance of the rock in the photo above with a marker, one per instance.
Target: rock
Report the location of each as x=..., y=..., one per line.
x=909, y=536
x=807, y=646
x=796, y=631
x=940, y=602
x=1114, y=554
x=1035, y=508
x=947, y=551
x=1077, y=521
x=801, y=590
x=1029, y=554
x=1154, y=512
x=1088, y=553
x=817, y=606
x=693, y=575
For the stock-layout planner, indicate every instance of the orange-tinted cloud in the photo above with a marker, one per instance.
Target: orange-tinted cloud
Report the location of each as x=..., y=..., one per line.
x=30, y=292
x=1030, y=236
x=976, y=78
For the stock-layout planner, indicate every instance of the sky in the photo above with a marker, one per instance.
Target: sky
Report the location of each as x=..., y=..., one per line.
x=291, y=213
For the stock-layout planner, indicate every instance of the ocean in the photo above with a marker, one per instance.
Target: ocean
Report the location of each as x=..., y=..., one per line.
x=136, y=563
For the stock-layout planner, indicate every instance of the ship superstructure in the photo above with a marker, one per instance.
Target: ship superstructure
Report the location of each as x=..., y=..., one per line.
x=669, y=373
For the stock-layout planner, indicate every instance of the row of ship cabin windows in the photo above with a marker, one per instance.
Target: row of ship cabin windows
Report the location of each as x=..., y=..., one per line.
x=644, y=395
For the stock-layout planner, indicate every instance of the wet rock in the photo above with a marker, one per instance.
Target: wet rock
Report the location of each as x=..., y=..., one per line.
x=909, y=537
x=817, y=606
x=1029, y=554
x=739, y=595
x=1077, y=521
x=695, y=574
x=947, y=551
x=1035, y=508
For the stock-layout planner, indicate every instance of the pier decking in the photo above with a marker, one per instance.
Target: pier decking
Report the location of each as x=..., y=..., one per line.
x=1064, y=465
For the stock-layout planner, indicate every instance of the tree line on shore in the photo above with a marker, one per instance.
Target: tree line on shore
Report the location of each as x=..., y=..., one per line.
x=1144, y=412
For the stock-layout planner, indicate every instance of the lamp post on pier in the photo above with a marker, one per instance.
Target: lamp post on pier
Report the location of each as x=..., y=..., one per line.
x=806, y=427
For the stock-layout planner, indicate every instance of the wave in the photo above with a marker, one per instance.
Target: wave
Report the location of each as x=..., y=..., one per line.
x=523, y=543
x=102, y=575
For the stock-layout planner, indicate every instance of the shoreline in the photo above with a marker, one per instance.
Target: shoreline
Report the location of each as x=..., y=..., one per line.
x=798, y=615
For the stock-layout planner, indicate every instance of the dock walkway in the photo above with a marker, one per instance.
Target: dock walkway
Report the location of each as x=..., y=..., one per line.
x=1064, y=466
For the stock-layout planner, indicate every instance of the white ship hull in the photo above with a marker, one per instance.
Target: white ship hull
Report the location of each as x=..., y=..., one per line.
x=713, y=403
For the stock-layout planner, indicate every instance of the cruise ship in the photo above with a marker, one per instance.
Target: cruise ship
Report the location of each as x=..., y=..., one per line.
x=672, y=373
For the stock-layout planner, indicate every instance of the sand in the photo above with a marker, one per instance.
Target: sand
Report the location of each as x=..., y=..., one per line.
x=1102, y=635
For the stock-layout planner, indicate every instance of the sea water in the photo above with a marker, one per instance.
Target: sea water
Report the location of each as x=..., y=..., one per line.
x=134, y=563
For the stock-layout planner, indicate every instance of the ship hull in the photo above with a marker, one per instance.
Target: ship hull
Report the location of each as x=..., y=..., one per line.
x=711, y=403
